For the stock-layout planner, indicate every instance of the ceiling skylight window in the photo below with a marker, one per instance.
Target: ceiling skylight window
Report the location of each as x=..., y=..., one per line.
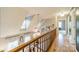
x=26, y=23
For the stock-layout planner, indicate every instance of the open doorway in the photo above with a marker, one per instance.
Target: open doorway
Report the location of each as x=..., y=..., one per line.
x=61, y=26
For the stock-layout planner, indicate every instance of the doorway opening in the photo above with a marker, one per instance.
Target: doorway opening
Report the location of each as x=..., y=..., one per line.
x=61, y=26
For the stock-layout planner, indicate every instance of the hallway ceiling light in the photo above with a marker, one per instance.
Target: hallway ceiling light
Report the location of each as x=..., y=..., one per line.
x=77, y=12
x=62, y=14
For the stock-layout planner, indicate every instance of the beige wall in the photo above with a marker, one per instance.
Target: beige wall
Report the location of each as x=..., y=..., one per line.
x=11, y=20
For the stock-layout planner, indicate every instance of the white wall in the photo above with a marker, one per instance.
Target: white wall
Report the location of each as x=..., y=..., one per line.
x=11, y=20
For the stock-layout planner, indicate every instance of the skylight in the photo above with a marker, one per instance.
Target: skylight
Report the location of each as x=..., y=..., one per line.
x=26, y=23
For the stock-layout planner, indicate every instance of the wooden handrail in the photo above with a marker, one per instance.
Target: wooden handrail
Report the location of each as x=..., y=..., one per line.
x=22, y=46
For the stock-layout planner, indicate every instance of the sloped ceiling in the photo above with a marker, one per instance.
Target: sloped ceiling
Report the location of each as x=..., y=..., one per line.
x=12, y=18
x=46, y=11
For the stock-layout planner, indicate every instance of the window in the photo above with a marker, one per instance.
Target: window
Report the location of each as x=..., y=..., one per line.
x=26, y=23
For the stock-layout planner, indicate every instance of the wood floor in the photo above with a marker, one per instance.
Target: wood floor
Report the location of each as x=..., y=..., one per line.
x=62, y=44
